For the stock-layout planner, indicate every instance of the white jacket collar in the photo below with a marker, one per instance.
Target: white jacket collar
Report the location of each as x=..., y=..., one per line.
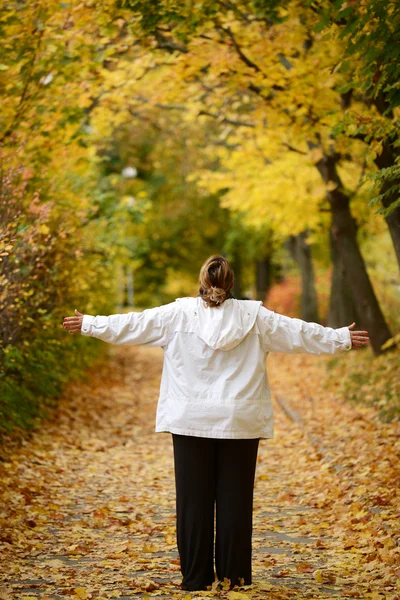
x=225, y=326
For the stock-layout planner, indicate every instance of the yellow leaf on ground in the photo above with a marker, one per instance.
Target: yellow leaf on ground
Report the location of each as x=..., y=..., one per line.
x=44, y=229
x=324, y=576
x=81, y=593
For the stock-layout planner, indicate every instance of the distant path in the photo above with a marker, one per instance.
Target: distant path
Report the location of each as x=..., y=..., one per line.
x=87, y=505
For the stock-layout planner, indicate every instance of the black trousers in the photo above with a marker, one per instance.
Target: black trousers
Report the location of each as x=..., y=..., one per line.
x=221, y=472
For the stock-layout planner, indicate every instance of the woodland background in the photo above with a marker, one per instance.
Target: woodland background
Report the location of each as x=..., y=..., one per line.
x=139, y=137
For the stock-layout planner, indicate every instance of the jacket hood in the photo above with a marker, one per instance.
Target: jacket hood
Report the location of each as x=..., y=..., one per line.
x=223, y=327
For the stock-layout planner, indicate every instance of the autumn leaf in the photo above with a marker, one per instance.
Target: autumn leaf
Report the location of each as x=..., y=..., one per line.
x=304, y=567
x=324, y=576
x=82, y=593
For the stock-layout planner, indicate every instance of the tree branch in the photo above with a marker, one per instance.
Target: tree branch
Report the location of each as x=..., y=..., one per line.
x=293, y=149
x=238, y=49
x=168, y=43
x=24, y=93
x=227, y=120
x=201, y=113
x=231, y=6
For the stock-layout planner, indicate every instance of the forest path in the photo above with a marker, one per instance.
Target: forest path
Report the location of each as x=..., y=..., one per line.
x=87, y=504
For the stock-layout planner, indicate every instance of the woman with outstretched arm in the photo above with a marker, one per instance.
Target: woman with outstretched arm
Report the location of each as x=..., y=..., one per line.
x=215, y=401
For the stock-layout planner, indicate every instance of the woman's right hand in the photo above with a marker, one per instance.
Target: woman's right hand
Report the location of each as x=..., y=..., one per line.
x=73, y=324
x=358, y=338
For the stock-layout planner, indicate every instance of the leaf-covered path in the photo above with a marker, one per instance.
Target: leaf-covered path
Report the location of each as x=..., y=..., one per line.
x=87, y=504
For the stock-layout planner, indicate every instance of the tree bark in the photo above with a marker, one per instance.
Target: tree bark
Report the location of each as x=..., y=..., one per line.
x=130, y=296
x=301, y=253
x=344, y=230
x=384, y=160
x=342, y=310
x=263, y=277
x=237, y=268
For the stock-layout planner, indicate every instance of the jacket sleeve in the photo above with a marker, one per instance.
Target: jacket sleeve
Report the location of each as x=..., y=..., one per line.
x=284, y=334
x=151, y=327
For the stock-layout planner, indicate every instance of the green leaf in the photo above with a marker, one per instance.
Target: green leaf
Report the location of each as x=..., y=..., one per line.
x=346, y=88
x=324, y=22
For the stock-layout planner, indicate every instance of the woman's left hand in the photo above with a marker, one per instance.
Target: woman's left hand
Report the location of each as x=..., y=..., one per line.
x=358, y=338
x=73, y=324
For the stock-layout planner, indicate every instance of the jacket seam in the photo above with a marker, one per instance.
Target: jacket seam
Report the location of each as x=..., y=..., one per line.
x=218, y=400
x=214, y=429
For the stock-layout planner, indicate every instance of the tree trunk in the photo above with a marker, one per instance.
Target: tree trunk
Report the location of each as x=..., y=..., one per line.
x=129, y=286
x=301, y=253
x=342, y=310
x=237, y=268
x=384, y=160
x=263, y=277
x=121, y=287
x=344, y=232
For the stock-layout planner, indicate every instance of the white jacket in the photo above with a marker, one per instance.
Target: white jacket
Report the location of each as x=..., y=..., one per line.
x=214, y=381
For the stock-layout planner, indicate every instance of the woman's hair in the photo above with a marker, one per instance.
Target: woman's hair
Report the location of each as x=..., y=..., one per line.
x=216, y=280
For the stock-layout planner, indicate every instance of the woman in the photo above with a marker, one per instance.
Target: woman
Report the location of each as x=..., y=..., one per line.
x=215, y=401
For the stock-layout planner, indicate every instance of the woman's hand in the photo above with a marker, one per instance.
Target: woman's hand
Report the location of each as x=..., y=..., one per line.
x=73, y=324
x=358, y=338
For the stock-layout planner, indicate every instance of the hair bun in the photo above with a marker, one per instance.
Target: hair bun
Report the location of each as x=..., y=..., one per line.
x=216, y=280
x=217, y=295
